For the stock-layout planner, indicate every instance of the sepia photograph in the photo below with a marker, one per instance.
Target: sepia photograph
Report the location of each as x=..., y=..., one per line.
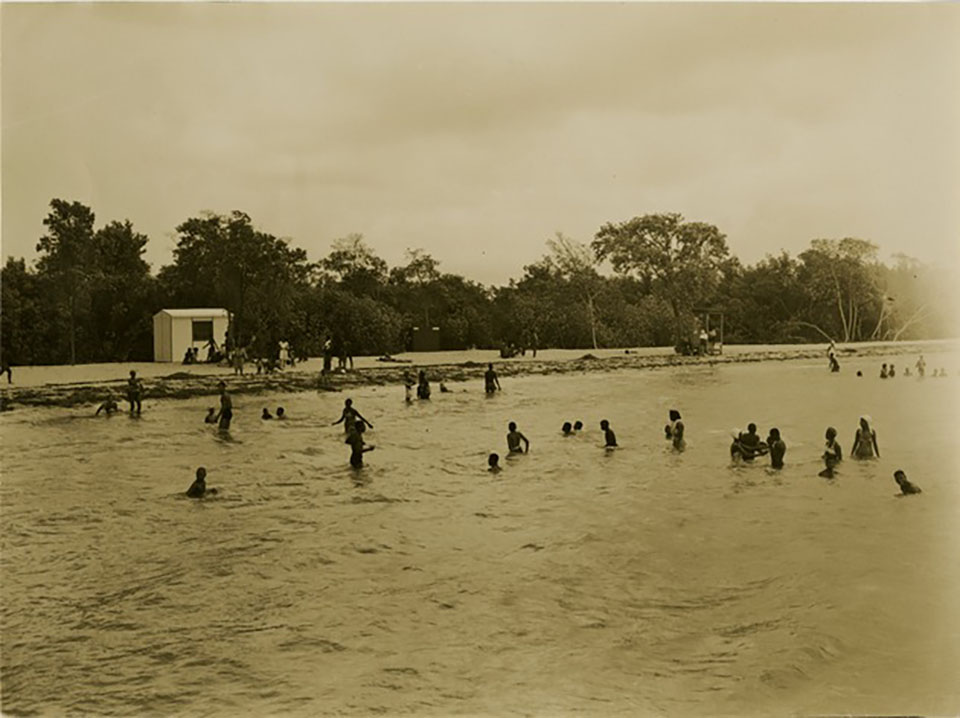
x=540, y=359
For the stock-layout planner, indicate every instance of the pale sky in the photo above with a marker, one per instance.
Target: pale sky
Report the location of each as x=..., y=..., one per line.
x=476, y=131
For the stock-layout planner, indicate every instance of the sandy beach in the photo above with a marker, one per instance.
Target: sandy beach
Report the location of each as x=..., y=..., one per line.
x=70, y=386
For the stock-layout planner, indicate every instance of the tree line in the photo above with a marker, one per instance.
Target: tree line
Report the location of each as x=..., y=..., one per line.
x=90, y=296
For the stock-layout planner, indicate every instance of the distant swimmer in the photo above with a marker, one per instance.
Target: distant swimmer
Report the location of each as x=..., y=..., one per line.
x=859, y=373
x=349, y=416
x=883, y=372
x=423, y=386
x=491, y=383
x=777, y=448
x=893, y=371
x=832, y=356
x=211, y=417
x=357, y=445
x=674, y=430
x=906, y=372
x=493, y=461
x=443, y=388
x=266, y=414
x=577, y=425
x=905, y=486
x=865, y=441
x=921, y=366
x=832, y=454
x=610, y=439
x=198, y=489
x=514, y=438
x=225, y=415
x=108, y=407
x=134, y=392
x=281, y=414
x=567, y=428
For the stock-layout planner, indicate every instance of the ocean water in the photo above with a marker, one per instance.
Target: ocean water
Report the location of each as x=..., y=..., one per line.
x=577, y=581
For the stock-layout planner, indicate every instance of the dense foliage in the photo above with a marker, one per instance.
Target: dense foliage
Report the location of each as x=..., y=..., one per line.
x=90, y=296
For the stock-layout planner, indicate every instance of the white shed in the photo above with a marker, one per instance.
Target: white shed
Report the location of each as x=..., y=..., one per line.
x=176, y=330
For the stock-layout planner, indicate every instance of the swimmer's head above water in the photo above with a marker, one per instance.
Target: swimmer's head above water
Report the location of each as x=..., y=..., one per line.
x=674, y=415
x=604, y=424
x=577, y=425
x=493, y=461
x=567, y=427
x=280, y=412
x=831, y=433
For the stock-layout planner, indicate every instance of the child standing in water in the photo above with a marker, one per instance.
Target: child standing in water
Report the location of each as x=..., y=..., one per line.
x=674, y=430
x=832, y=454
x=865, y=441
x=357, y=448
x=610, y=438
x=514, y=438
x=777, y=448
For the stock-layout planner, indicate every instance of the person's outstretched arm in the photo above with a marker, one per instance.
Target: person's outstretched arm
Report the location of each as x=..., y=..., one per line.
x=340, y=420
x=357, y=413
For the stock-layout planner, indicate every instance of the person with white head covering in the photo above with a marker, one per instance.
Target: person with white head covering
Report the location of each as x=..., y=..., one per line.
x=865, y=441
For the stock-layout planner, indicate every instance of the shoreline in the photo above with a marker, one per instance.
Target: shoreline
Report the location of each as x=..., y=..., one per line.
x=184, y=385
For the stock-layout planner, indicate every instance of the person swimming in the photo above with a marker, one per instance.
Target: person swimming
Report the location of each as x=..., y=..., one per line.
x=777, y=448
x=357, y=445
x=883, y=372
x=225, y=416
x=893, y=371
x=514, y=438
x=198, y=489
x=108, y=407
x=567, y=428
x=281, y=414
x=859, y=373
x=921, y=366
x=349, y=416
x=674, y=430
x=906, y=487
x=610, y=439
x=865, y=441
x=493, y=461
x=832, y=454
x=211, y=417
x=577, y=426
x=266, y=414
x=737, y=450
x=906, y=372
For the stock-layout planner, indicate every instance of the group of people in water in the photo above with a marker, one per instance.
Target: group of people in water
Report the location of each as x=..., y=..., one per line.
x=745, y=446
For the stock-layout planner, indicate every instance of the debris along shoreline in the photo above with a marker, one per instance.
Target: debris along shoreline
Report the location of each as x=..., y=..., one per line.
x=184, y=385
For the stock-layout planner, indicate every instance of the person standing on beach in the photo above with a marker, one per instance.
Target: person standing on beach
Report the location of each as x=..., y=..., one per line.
x=408, y=384
x=225, y=415
x=350, y=416
x=327, y=354
x=5, y=369
x=514, y=438
x=491, y=383
x=865, y=441
x=134, y=392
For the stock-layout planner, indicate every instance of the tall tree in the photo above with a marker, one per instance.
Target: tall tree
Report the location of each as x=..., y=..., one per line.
x=356, y=266
x=576, y=264
x=66, y=256
x=681, y=261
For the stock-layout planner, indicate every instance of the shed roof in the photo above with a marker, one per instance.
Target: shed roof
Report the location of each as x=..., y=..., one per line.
x=195, y=313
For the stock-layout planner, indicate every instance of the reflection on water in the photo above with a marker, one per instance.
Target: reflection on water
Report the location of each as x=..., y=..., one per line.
x=637, y=581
